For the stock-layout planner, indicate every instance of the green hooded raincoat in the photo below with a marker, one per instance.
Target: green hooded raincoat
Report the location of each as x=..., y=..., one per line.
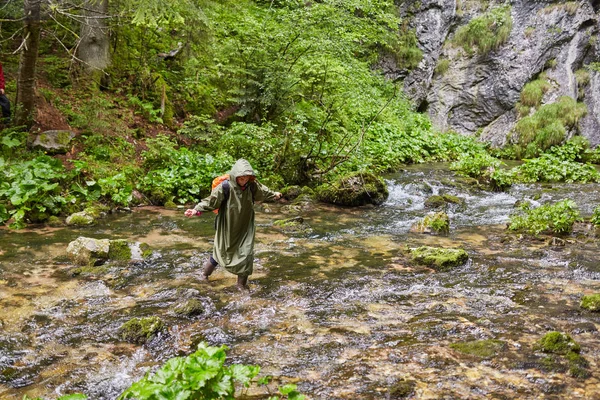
x=234, y=239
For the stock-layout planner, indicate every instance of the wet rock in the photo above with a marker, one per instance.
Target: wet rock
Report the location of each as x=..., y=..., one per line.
x=189, y=308
x=291, y=192
x=436, y=223
x=87, y=251
x=438, y=258
x=54, y=142
x=119, y=250
x=354, y=190
x=591, y=302
x=438, y=201
x=140, y=330
x=81, y=218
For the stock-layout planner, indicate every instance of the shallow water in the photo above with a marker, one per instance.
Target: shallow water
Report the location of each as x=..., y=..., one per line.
x=336, y=310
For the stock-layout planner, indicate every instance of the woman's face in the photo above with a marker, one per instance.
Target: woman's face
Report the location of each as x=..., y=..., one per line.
x=242, y=180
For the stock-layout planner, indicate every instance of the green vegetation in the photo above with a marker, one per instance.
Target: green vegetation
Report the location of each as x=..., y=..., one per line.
x=434, y=223
x=534, y=91
x=547, y=127
x=487, y=32
x=442, y=66
x=202, y=375
x=555, y=218
x=558, y=343
x=480, y=348
x=596, y=216
x=591, y=302
x=354, y=190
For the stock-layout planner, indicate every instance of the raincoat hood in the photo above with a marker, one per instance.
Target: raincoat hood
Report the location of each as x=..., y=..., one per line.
x=241, y=168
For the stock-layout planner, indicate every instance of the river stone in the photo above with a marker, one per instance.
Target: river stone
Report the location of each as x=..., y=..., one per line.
x=81, y=218
x=140, y=330
x=438, y=258
x=53, y=142
x=86, y=251
x=435, y=223
x=189, y=308
x=354, y=190
x=293, y=225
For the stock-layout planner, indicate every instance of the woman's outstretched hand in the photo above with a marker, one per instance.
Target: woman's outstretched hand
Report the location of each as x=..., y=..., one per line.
x=190, y=212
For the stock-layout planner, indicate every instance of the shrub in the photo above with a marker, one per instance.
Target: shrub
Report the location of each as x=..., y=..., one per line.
x=487, y=32
x=442, y=66
x=480, y=165
x=556, y=218
x=596, y=216
x=549, y=168
x=534, y=91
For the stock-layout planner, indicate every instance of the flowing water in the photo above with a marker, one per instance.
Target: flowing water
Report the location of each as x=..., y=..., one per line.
x=336, y=310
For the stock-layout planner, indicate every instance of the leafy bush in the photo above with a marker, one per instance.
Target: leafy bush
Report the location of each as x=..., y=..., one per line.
x=30, y=190
x=549, y=168
x=487, y=32
x=201, y=375
x=534, y=91
x=479, y=165
x=556, y=218
x=442, y=66
x=179, y=175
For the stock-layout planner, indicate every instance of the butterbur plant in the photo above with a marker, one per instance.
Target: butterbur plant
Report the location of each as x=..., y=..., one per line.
x=201, y=375
x=555, y=218
x=596, y=216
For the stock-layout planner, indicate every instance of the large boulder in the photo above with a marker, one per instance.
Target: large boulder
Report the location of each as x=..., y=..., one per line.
x=54, y=142
x=438, y=258
x=86, y=251
x=354, y=190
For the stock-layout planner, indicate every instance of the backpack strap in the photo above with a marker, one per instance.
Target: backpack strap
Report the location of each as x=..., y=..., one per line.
x=226, y=189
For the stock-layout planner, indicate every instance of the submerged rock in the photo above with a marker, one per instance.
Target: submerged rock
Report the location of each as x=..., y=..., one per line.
x=591, y=302
x=140, y=330
x=293, y=225
x=354, y=190
x=480, y=348
x=81, y=218
x=438, y=258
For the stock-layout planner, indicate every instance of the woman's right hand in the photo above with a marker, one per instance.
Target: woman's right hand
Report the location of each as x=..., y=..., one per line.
x=190, y=212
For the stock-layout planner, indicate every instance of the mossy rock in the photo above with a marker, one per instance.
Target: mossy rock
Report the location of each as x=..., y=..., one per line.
x=140, y=330
x=97, y=210
x=88, y=251
x=558, y=343
x=354, y=190
x=578, y=366
x=80, y=219
x=119, y=250
x=293, y=225
x=438, y=258
x=435, y=201
x=291, y=192
x=54, y=221
x=170, y=205
x=437, y=223
x=480, y=348
x=189, y=308
x=591, y=302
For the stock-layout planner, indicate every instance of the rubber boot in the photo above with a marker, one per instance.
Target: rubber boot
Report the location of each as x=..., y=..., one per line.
x=242, y=283
x=208, y=269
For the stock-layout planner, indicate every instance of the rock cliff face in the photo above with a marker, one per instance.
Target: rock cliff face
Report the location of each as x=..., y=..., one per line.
x=477, y=94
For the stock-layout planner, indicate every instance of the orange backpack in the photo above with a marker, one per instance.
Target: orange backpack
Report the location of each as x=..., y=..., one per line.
x=216, y=182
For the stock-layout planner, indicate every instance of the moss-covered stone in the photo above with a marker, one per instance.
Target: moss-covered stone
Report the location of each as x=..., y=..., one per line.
x=437, y=223
x=558, y=343
x=354, y=190
x=293, y=225
x=80, y=219
x=54, y=221
x=591, y=302
x=88, y=251
x=435, y=201
x=140, y=330
x=480, y=348
x=146, y=250
x=119, y=250
x=170, y=204
x=291, y=192
x=97, y=210
x=438, y=258
x=189, y=308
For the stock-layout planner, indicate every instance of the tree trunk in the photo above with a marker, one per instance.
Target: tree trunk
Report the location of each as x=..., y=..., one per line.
x=94, y=44
x=25, y=99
